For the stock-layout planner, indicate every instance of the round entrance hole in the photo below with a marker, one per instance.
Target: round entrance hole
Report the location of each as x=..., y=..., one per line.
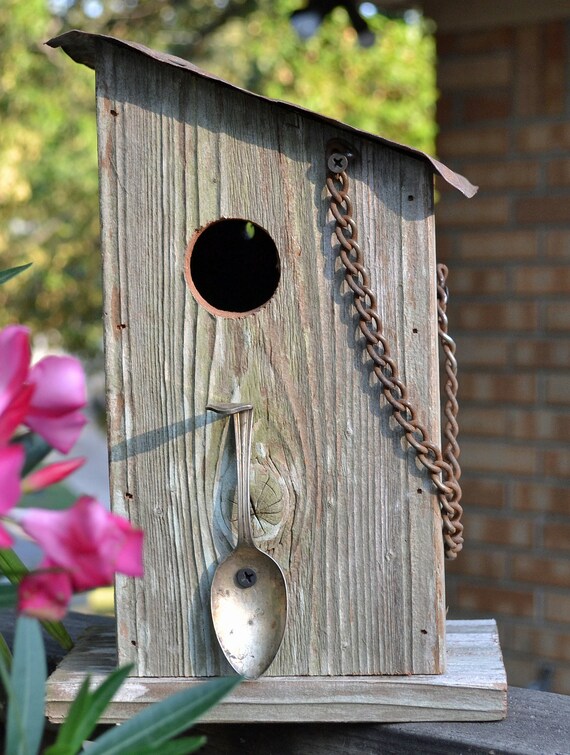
x=232, y=267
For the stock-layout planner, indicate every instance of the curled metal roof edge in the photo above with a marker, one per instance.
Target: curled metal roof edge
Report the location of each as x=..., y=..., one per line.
x=83, y=47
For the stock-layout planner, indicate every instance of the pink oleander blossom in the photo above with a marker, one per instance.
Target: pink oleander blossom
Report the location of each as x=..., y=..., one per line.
x=45, y=595
x=15, y=392
x=47, y=397
x=86, y=541
x=51, y=474
x=59, y=395
x=11, y=463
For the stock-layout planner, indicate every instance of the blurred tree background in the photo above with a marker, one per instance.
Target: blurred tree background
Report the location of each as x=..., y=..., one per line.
x=381, y=80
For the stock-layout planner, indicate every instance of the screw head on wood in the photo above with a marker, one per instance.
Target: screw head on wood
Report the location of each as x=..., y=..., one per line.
x=337, y=162
x=246, y=577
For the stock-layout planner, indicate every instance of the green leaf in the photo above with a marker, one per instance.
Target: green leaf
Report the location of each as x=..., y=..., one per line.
x=11, y=272
x=160, y=723
x=13, y=568
x=182, y=746
x=35, y=448
x=8, y=596
x=26, y=702
x=66, y=742
x=5, y=654
x=85, y=713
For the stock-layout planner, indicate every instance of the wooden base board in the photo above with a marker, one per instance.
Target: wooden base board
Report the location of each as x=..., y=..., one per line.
x=474, y=687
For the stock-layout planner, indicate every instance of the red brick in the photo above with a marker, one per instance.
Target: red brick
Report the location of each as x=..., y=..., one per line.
x=557, y=537
x=557, y=316
x=543, y=643
x=557, y=607
x=541, y=571
x=517, y=174
x=488, y=211
x=544, y=137
x=542, y=280
x=558, y=389
x=528, y=80
x=503, y=245
x=561, y=679
x=485, y=387
x=466, y=142
x=475, y=562
x=481, y=422
x=479, y=351
x=542, y=354
x=557, y=462
x=515, y=316
x=483, y=492
x=487, y=456
x=494, y=530
x=483, y=71
x=554, y=67
x=538, y=424
x=491, y=280
x=486, y=106
x=446, y=109
x=476, y=41
x=558, y=172
x=540, y=497
x=551, y=209
x=520, y=672
x=558, y=244
x=495, y=600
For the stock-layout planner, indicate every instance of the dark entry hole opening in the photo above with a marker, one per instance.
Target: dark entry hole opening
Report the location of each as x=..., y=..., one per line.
x=233, y=266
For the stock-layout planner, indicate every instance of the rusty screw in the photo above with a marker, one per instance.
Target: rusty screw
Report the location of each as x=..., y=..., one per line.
x=337, y=162
x=246, y=577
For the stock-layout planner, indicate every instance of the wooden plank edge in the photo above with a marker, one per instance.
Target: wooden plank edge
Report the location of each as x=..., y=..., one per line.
x=474, y=688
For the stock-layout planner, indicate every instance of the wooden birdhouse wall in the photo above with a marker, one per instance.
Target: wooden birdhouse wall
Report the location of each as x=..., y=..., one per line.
x=340, y=501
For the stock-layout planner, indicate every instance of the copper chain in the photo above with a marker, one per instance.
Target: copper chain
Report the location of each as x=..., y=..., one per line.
x=443, y=465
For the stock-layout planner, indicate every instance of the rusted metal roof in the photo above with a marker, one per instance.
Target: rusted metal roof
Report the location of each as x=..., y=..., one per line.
x=84, y=47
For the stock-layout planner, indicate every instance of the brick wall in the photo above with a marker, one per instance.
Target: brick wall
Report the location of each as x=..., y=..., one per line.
x=504, y=120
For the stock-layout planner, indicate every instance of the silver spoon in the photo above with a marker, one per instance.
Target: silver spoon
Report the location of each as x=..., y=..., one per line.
x=249, y=595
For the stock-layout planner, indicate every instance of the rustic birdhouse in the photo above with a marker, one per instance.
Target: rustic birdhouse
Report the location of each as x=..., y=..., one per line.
x=268, y=264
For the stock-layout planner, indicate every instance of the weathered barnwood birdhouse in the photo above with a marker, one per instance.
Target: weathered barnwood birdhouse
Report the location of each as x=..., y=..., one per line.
x=223, y=285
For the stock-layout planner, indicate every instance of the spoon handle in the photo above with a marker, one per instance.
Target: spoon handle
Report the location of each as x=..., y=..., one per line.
x=243, y=425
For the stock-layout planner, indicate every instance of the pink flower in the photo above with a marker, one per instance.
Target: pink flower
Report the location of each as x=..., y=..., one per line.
x=47, y=398
x=15, y=393
x=45, y=595
x=11, y=463
x=86, y=541
x=59, y=394
x=50, y=474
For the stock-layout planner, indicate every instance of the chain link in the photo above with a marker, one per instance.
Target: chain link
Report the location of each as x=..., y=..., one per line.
x=443, y=466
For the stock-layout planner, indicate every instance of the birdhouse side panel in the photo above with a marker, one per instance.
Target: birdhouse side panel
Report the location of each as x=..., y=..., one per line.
x=337, y=498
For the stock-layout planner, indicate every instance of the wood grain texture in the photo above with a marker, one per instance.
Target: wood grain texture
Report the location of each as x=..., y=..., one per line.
x=348, y=513
x=474, y=687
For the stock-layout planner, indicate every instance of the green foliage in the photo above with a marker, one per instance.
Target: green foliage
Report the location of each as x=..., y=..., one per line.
x=153, y=727
x=6, y=275
x=150, y=732
x=48, y=180
x=85, y=712
x=48, y=164
x=25, y=690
